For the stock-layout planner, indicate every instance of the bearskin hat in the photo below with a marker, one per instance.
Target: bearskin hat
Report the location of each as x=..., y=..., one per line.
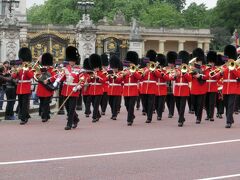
x=86, y=64
x=95, y=61
x=219, y=61
x=151, y=54
x=171, y=57
x=161, y=58
x=114, y=62
x=199, y=54
x=104, y=59
x=47, y=59
x=132, y=57
x=212, y=57
x=231, y=52
x=184, y=56
x=25, y=54
x=72, y=54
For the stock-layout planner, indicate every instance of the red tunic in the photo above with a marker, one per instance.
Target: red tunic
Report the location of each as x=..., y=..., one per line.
x=130, y=87
x=24, y=83
x=181, y=86
x=230, y=85
x=161, y=89
x=85, y=89
x=42, y=91
x=212, y=81
x=70, y=80
x=198, y=87
x=96, y=83
x=115, y=86
x=149, y=81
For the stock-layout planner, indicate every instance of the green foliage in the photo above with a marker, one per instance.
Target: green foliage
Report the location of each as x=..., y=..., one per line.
x=161, y=14
x=195, y=16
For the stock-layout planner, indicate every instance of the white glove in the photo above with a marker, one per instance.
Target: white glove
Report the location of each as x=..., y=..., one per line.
x=55, y=84
x=75, y=89
x=79, y=87
x=58, y=79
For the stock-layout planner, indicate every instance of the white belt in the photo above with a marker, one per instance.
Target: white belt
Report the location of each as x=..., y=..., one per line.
x=113, y=84
x=181, y=84
x=96, y=84
x=161, y=84
x=130, y=84
x=210, y=80
x=24, y=81
x=70, y=84
x=229, y=80
x=147, y=81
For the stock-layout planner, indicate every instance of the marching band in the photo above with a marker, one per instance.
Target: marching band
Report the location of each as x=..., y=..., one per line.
x=156, y=79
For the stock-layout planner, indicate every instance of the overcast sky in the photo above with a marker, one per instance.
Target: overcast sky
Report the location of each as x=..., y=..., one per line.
x=209, y=3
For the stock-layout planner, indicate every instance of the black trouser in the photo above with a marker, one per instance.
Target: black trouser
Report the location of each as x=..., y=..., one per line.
x=61, y=100
x=130, y=102
x=23, y=106
x=79, y=101
x=229, y=101
x=138, y=102
x=210, y=102
x=104, y=101
x=198, y=103
x=237, y=103
x=181, y=104
x=190, y=105
x=148, y=104
x=220, y=106
x=45, y=107
x=159, y=104
x=11, y=97
x=142, y=101
x=119, y=102
x=113, y=102
x=87, y=103
x=72, y=116
x=95, y=103
x=170, y=103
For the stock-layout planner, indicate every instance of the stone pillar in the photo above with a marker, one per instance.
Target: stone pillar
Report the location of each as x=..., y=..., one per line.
x=136, y=46
x=161, y=46
x=200, y=44
x=206, y=46
x=10, y=38
x=86, y=37
x=181, y=45
x=143, y=48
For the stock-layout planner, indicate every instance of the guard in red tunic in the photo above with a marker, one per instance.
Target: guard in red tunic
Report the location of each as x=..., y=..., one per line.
x=85, y=90
x=212, y=87
x=131, y=76
x=104, y=100
x=45, y=78
x=24, y=77
x=71, y=86
x=161, y=90
x=115, y=86
x=96, y=81
x=149, y=84
x=171, y=59
x=230, y=87
x=181, y=88
x=199, y=86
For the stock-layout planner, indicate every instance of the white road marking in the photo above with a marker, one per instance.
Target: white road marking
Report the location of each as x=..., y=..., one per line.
x=221, y=177
x=118, y=153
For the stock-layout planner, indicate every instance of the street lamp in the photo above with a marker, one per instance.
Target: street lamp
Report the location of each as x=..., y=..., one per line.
x=11, y=4
x=85, y=5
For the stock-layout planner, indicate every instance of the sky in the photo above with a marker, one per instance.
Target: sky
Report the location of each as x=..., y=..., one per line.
x=209, y=3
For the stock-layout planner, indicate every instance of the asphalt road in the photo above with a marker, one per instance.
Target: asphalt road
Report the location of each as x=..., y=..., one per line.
x=144, y=151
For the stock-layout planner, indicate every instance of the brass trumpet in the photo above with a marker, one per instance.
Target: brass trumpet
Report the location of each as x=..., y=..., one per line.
x=153, y=66
x=184, y=68
x=133, y=68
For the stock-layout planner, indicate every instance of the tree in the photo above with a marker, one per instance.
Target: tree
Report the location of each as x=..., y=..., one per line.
x=161, y=14
x=227, y=14
x=196, y=16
